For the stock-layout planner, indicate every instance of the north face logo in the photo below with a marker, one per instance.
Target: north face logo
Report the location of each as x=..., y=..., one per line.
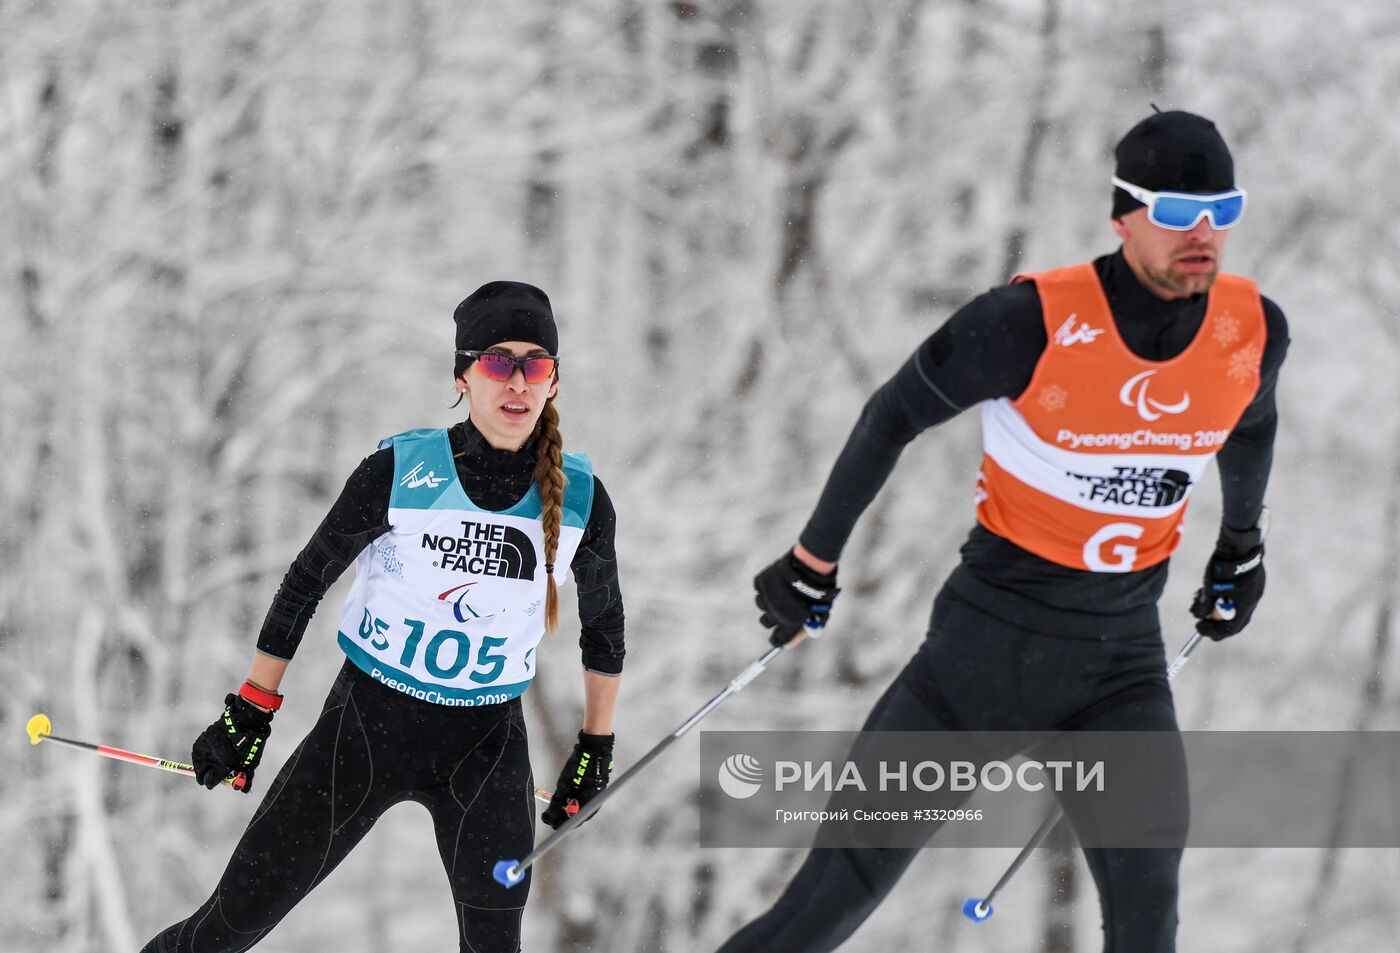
x=485, y=549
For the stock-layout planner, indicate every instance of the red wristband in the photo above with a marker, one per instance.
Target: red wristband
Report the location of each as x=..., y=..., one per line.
x=260, y=696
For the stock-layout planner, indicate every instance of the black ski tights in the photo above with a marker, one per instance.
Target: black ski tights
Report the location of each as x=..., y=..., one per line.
x=372, y=748
x=977, y=673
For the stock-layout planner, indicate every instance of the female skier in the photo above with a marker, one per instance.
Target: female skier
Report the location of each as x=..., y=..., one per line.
x=457, y=536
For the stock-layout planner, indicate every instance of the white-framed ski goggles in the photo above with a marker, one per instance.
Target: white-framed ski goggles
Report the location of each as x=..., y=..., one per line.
x=1181, y=211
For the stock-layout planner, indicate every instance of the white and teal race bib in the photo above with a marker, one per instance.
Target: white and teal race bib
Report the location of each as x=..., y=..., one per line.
x=448, y=606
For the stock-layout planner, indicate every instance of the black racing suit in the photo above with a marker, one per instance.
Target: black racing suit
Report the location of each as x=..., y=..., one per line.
x=1016, y=642
x=374, y=747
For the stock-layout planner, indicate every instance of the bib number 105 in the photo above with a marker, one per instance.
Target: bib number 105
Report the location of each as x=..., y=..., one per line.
x=440, y=661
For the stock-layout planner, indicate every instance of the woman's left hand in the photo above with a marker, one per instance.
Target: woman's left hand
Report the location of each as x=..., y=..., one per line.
x=583, y=778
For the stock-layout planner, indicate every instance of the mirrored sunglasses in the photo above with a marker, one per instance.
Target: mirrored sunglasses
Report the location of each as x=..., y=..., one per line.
x=499, y=366
x=1181, y=211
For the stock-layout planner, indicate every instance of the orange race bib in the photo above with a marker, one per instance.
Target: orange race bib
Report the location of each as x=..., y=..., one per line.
x=1093, y=465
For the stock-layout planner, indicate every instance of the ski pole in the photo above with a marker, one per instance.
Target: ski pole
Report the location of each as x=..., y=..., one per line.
x=978, y=909
x=508, y=873
x=41, y=729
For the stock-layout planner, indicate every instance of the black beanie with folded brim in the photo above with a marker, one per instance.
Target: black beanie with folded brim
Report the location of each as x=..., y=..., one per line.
x=1172, y=152
x=502, y=311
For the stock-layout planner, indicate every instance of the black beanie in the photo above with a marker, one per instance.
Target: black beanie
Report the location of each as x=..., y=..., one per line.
x=503, y=311
x=1172, y=152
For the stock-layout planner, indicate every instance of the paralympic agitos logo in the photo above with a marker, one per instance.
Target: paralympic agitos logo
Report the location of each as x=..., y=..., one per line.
x=457, y=598
x=485, y=549
x=1133, y=394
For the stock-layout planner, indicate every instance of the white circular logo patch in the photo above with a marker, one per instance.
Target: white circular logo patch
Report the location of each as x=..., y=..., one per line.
x=740, y=776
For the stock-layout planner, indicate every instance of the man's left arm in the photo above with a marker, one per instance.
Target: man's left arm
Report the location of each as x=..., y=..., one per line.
x=1235, y=573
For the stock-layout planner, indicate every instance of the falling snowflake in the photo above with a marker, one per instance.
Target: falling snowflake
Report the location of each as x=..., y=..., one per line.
x=390, y=556
x=1227, y=329
x=1053, y=398
x=1244, y=363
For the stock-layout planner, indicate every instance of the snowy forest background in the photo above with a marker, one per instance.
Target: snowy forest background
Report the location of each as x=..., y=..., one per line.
x=231, y=238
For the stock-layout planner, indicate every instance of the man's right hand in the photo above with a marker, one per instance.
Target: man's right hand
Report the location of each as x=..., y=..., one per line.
x=233, y=744
x=790, y=595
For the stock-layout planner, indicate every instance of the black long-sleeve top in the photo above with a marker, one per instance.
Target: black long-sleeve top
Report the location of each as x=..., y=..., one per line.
x=493, y=479
x=988, y=350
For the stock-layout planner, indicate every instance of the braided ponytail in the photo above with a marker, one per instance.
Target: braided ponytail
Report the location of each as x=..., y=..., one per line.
x=549, y=477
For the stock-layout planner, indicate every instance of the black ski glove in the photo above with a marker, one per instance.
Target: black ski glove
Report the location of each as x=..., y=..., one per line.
x=583, y=778
x=1234, y=577
x=233, y=744
x=790, y=594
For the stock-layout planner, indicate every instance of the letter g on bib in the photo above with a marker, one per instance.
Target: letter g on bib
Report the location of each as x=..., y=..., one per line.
x=1124, y=555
